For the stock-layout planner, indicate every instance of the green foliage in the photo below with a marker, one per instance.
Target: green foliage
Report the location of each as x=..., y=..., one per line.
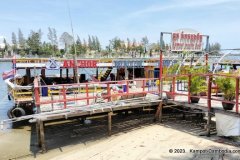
x=215, y=48
x=198, y=83
x=22, y=53
x=21, y=40
x=34, y=41
x=173, y=69
x=227, y=86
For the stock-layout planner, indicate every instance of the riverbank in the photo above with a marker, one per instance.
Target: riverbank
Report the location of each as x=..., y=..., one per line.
x=5, y=59
x=134, y=138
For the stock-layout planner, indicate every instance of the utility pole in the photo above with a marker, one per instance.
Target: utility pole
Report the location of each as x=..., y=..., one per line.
x=75, y=70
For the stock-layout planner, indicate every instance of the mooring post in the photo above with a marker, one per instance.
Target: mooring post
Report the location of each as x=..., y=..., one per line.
x=237, y=93
x=209, y=105
x=110, y=123
x=158, y=114
x=38, y=132
x=189, y=85
x=42, y=136
x=108, y=92
x=173, y=87
x=160, y=73
x=209, y=124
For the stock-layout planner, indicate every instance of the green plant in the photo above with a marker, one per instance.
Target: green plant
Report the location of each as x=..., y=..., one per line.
x=198, y=83
x=227, y=86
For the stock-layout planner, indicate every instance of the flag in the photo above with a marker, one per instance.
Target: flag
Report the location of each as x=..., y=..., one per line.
x=14, y=62
x=8, y=74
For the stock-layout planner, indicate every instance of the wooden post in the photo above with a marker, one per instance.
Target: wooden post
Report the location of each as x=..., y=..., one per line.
x=67, y=73
x=28, y=73
x=61, y=74
x=189, y=84
x=158, y=114
x=160, y=74
x=209, y=105
x=110, y=123
x=209, y=93
x=237, y=93
x=64, y=97
x=206, y=59
x=209, y=124
x=173, y=87
x=108, y=92
x=36, y=94
x=42, y=136
x=87, y=94
x=38, y=132
x=143, y=85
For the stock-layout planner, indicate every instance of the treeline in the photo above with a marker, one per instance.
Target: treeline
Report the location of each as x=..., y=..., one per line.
x=33, y=45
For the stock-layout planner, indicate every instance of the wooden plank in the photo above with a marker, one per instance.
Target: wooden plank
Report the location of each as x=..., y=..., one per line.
x=42, y=136
x=38, y=133
x=110, y=123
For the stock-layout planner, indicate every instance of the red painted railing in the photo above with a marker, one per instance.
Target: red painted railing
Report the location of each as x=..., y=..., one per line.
x=209, y=78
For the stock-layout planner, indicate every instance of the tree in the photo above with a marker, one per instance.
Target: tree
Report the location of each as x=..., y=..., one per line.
x=52, y=36
x=98, y=45
x=34, y=41
x=145, y=43
x=94, y=46
x=14, y=41
x=90, y=44
x=21, y=40
x=215, y=48
x=67, y=40
x=116, y=44
x=79, y=46
x=128, y=45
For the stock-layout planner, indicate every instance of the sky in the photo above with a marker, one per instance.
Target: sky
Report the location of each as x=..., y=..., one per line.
x=220, y=19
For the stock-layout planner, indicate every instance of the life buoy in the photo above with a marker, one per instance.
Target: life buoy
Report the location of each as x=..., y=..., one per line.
x=16, y=112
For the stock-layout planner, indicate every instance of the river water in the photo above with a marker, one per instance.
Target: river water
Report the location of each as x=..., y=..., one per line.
x=5, y=104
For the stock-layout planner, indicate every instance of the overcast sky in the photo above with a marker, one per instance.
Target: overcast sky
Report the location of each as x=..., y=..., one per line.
x=124, y=18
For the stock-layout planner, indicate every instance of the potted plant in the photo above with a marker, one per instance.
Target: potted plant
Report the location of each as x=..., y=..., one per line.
x=227, y=86
x=198, y=84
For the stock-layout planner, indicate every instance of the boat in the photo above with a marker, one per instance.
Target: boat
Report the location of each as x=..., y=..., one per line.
x=53, y=72
x=60, y=71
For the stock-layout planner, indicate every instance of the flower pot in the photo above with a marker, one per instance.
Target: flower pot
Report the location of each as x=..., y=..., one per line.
x=194, y=99
x=227, y=106
x=203, y=93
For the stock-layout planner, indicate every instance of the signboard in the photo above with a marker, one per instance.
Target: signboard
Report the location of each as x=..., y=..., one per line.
x=186, y=40
x=80, y=64
x=167, y=63
x=52, y=65
x=128, y=64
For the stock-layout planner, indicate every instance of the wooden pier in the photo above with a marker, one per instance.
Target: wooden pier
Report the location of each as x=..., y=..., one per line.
x=108, y=109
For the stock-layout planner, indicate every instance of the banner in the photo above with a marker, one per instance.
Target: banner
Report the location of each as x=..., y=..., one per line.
x=80, y=64
x=128, y=64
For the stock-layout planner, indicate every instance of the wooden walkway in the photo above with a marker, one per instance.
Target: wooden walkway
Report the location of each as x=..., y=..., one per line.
x=108, y=109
